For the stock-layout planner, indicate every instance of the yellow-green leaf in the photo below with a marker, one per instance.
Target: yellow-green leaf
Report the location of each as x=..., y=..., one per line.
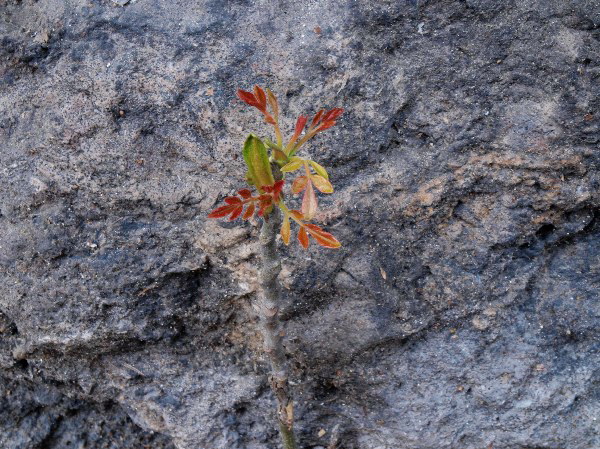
x=319, y=169
x=257, y=160
x=321, y=183
x=293, y=165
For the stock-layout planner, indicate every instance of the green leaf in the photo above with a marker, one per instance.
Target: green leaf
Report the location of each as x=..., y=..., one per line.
x=257, y=160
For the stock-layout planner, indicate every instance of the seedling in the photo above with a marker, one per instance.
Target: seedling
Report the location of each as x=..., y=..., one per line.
x=268, y=166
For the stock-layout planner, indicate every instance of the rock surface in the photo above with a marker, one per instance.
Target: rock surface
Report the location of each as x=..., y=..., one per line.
x=461, y=312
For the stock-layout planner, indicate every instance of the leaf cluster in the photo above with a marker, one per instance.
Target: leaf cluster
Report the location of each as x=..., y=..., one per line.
x=269, y=163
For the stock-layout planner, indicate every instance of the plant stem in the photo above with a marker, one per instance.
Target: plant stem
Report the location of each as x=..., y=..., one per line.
x=268, y=311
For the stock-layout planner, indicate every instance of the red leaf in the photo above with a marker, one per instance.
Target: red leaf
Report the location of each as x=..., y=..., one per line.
x=266, y=201
x=269, y=119
x=333, y=114
x=247, y=97
x=264, y=208
x=317, y=118
x=245, y=193
x=249, y=212
x=303, y=237
x=236, y=213
x=300, y=124
x=261, y=98
x=232, y=200
x=222, y=211
x=325, y=125
x=276, y=190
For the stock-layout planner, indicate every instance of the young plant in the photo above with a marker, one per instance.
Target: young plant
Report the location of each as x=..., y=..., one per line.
x=268, y=166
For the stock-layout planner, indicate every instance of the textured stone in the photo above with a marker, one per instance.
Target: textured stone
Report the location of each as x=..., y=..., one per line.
x=462, y=310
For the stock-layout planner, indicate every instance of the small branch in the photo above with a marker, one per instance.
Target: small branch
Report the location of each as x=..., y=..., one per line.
x=268, y=310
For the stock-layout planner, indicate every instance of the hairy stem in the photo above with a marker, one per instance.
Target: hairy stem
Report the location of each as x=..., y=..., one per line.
x=268, y=311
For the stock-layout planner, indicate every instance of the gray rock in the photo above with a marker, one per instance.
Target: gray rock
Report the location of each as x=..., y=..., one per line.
x=462, y=310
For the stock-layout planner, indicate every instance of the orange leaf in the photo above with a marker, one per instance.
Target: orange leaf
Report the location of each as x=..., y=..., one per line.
x=321, y=183
x=279, y=155
x=309, y=202
x=297, y=214
x=328, y=241
x=249, y=212
x=299, y=184
x=303, y=237
x=273, y=102
x=322, y=237
x=285, y=230
x=313, y=228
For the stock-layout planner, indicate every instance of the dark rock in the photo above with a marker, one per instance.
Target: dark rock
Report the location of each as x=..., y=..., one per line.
x=462, y=310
